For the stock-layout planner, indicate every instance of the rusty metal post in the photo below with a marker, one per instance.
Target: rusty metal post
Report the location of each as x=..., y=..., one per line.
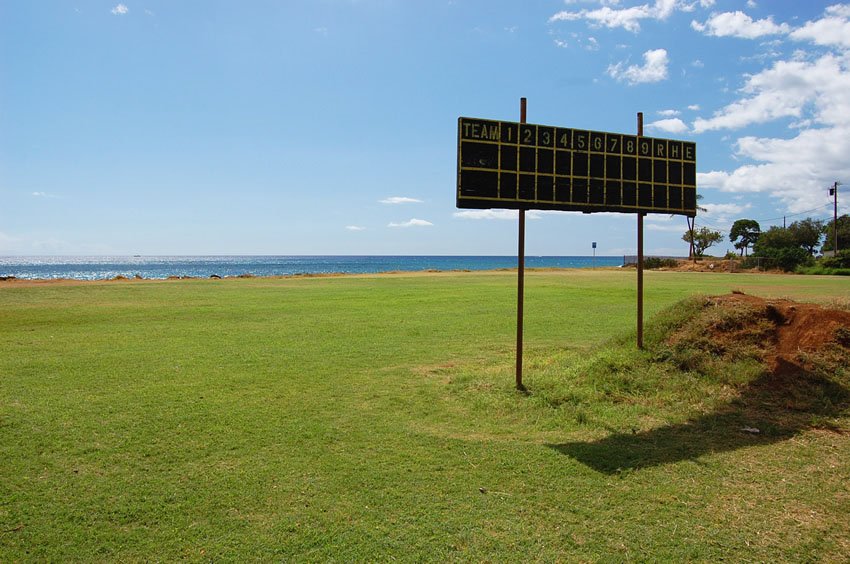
x=520, y=276
x=640, y=257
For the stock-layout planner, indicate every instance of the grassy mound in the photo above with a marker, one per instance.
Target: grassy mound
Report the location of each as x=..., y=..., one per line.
x=716, y=373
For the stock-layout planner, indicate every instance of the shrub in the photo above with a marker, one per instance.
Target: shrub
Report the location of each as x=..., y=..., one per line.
x=841, y=260
x=657, y=262
x=786, y=258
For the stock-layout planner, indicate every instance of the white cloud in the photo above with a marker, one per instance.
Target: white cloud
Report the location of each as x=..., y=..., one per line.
x=654, y=69
x=671, y=125
x=739, y=24
x=400, y=200
x=810, y=92
x=119, y=10
x=796, y=170
x=628, y=18
x=665, y=223
x=721, y=213
x=411, y=223
x=355, y=228
x=694, y=107
x=832, y=29
x=720, y=216
x=668, y=113
x=785, y=90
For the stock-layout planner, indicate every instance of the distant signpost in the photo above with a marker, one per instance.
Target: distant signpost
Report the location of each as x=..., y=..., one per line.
x=513, y=165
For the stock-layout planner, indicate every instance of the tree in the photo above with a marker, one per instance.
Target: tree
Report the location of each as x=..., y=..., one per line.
x=843, y=234
x=807, y=233
x=781, y=247
x=691, y=221
x=744, y=233
x=774, y=238
x=701, y=239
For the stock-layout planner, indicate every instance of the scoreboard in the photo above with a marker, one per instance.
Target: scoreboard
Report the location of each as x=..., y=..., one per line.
x=526, y=166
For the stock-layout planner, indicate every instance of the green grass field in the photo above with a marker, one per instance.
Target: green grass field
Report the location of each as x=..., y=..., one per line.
x=374, y=418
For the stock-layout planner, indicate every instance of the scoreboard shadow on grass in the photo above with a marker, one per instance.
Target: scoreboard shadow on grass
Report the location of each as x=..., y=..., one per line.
x=759, y=407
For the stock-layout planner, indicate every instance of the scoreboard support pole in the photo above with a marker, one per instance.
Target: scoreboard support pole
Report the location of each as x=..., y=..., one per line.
x=520, y=275
x=640, y=256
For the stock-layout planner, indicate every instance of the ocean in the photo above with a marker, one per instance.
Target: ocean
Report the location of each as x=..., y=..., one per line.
x=161, y=267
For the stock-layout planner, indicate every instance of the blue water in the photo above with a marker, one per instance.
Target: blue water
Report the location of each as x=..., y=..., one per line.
x=160, y=267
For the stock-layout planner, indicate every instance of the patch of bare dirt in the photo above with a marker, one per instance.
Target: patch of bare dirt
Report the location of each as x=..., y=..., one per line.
x=709, y=265
x=791, y=336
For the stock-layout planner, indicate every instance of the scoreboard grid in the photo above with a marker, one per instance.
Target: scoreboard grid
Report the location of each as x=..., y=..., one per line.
x=527, y=166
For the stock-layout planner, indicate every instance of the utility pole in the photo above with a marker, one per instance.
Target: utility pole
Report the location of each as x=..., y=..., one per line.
x=834, y=193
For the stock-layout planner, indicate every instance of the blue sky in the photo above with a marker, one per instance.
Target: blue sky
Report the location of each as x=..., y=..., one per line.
x=330, y=126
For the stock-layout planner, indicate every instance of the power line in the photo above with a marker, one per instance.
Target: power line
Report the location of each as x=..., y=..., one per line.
x=795, y=214
x=825, y=218
x=716, y=228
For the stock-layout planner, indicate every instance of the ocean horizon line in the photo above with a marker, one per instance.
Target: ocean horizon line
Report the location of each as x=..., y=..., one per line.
x=218, y=255
x=103, y=267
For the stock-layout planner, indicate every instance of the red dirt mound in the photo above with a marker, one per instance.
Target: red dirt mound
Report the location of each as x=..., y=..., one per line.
x=792, y=331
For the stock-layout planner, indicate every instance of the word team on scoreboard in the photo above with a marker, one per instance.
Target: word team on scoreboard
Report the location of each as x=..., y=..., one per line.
x=526, y=166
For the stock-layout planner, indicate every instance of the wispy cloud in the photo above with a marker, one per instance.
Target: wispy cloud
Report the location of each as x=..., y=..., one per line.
x=654, y=69
x=503, y=214
x=412, y=223
x=400, y=200
x=355, y=228
x=120, y=10
x=486, y=214
x=628, y=18
x=667, y=228
x=44, y=195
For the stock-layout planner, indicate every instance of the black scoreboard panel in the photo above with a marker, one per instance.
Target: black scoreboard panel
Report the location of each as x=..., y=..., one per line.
x=526, y=166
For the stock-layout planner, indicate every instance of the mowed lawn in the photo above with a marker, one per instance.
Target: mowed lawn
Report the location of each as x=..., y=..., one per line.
x=374, y=418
